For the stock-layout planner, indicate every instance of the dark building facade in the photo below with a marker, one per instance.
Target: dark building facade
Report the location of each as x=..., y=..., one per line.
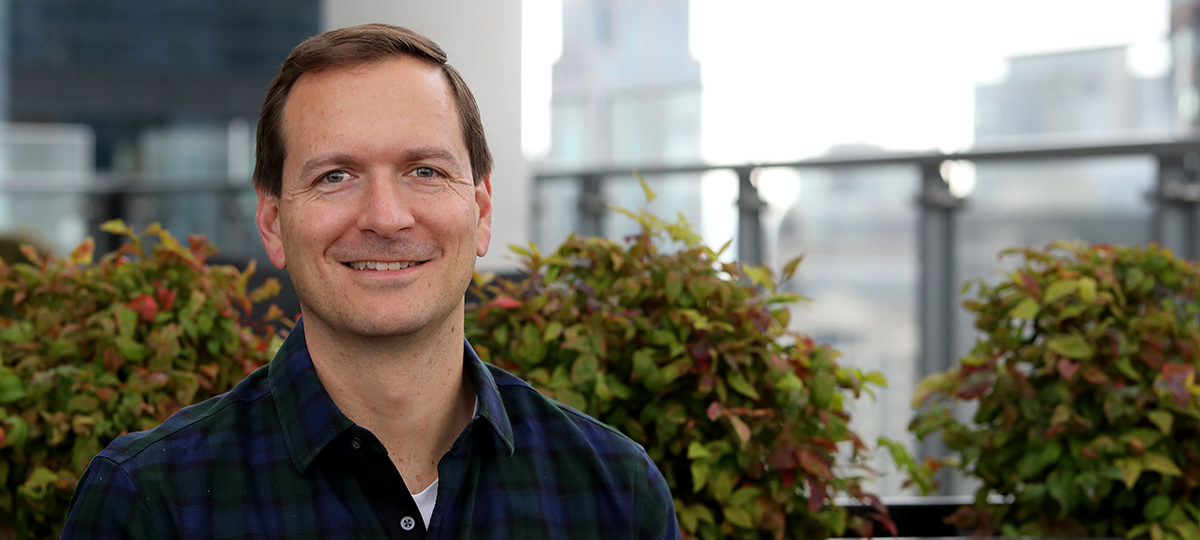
x=127, y=66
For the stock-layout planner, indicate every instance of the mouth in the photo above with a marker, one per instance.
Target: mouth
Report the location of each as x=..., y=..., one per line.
x=383, y=265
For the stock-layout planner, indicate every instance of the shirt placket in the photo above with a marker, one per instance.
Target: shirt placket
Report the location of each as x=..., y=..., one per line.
x=385, y=488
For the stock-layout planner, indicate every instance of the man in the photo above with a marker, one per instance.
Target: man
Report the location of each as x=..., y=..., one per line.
x=375, y=419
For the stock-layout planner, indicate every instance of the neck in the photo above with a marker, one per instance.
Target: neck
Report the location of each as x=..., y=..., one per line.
x=410, y=391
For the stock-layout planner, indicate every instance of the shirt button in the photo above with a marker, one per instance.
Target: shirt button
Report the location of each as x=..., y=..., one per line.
x=356, y=443
x=407, y=523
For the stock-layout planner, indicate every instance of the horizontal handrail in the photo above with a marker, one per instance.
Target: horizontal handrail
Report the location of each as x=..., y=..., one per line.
x=995, y=152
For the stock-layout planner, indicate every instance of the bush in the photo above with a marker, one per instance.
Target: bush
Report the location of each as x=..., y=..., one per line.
x=691, y=357
x=1088, y=419
x=89, y=351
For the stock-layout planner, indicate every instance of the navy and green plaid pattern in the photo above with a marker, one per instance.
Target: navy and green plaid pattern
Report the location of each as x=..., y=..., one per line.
x=275, y=458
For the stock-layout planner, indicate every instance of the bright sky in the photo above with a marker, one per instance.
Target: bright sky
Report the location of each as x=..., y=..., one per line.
x=785, y=79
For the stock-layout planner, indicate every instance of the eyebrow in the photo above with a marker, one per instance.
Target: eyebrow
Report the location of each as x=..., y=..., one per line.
x=421, y=153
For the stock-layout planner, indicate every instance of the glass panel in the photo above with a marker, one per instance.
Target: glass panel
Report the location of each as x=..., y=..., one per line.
x=556, y=215
x=50, y=220
x=857, y=231
x=675, y=194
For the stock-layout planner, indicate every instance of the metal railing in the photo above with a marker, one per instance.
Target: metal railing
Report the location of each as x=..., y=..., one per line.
x=1175, y=199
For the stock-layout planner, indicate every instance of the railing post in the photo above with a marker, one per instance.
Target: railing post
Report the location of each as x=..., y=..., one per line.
x=100, y=206
x=592, y=205
x=750, y=231
x=937, y=285
x=1176, y=197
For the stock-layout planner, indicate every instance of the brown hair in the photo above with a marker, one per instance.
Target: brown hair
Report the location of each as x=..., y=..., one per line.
x=349, y=47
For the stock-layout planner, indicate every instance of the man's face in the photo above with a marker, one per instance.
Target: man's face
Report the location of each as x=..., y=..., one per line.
x=379, y=220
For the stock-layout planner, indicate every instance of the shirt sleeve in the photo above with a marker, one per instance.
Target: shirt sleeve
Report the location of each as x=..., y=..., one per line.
x=106, y=505
x=655, y=507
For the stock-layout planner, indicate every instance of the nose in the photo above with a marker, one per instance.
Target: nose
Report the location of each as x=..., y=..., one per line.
x=384, y=209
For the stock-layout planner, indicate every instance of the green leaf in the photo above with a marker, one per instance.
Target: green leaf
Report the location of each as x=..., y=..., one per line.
x=126, y=320
x=1160, y=464
x=17, y=432
x=740, y=428
x=1163, y=419
x=789, y=381
x=1131, y=469
x=12, y=388
x=1071, y=346
x=738, y=516
x=83, y=403
x=789, y=269
x=1059, y=289
x=739, y=383
x=744, y=496
x=584, y=368
x=674, y=288
x=1156, y=507
x=39, y=485
x=696, y=450
x=1087, y=290
x=645, y=187
x=130, y=349
x=644, y=365
x=1025, y=309
x=699, y=475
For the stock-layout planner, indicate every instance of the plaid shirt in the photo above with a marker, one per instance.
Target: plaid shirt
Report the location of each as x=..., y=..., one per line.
x=275, y=458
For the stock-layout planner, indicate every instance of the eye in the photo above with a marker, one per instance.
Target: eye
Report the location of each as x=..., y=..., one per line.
x=425, y=172
x=335, y=177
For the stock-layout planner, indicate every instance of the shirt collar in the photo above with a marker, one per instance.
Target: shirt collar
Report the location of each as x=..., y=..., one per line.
x=310, y=420
x=491, y=407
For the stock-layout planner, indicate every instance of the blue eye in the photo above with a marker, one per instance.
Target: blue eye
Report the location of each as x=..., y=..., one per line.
x=425, y=172
x=335, y=177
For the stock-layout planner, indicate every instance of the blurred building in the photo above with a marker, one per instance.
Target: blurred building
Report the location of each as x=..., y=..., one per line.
x=166, y=91
x=626, y=92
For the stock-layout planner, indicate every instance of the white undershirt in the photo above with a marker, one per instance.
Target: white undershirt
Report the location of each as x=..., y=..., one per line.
x=427, y=498
x=425, y=501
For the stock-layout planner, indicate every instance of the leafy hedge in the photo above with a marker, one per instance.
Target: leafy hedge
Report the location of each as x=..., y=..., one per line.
x=691, y=357
x=1088, y=408
x=91, y=350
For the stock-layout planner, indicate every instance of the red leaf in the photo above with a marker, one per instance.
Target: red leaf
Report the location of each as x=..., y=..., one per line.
x=714, y=411
x=1175, y=378
x=1067, y=368
x=145, y=305
x=814, y=464
x=165, y=297
x=788, y=475
x=825, y=443
x=783, y=457
x=158, y=378
x=504, y=302
x=818, y=495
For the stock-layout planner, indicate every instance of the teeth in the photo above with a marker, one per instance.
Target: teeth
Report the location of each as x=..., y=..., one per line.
x=380, y=265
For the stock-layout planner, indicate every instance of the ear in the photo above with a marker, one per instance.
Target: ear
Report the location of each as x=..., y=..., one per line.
x=267, y=218
x=483, y=229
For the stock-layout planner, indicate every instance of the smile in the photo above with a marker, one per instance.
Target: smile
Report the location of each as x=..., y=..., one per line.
x=381, y=265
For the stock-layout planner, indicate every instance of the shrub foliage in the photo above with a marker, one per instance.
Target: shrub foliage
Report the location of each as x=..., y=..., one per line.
x=692, y=358
x=1084, y=375
x=91, y=350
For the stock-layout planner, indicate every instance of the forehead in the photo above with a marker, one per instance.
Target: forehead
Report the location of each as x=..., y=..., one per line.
x=390, y=101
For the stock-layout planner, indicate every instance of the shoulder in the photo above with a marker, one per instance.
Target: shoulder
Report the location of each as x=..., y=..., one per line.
x=543, y=425
x=588, y=455
x=190, y=426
